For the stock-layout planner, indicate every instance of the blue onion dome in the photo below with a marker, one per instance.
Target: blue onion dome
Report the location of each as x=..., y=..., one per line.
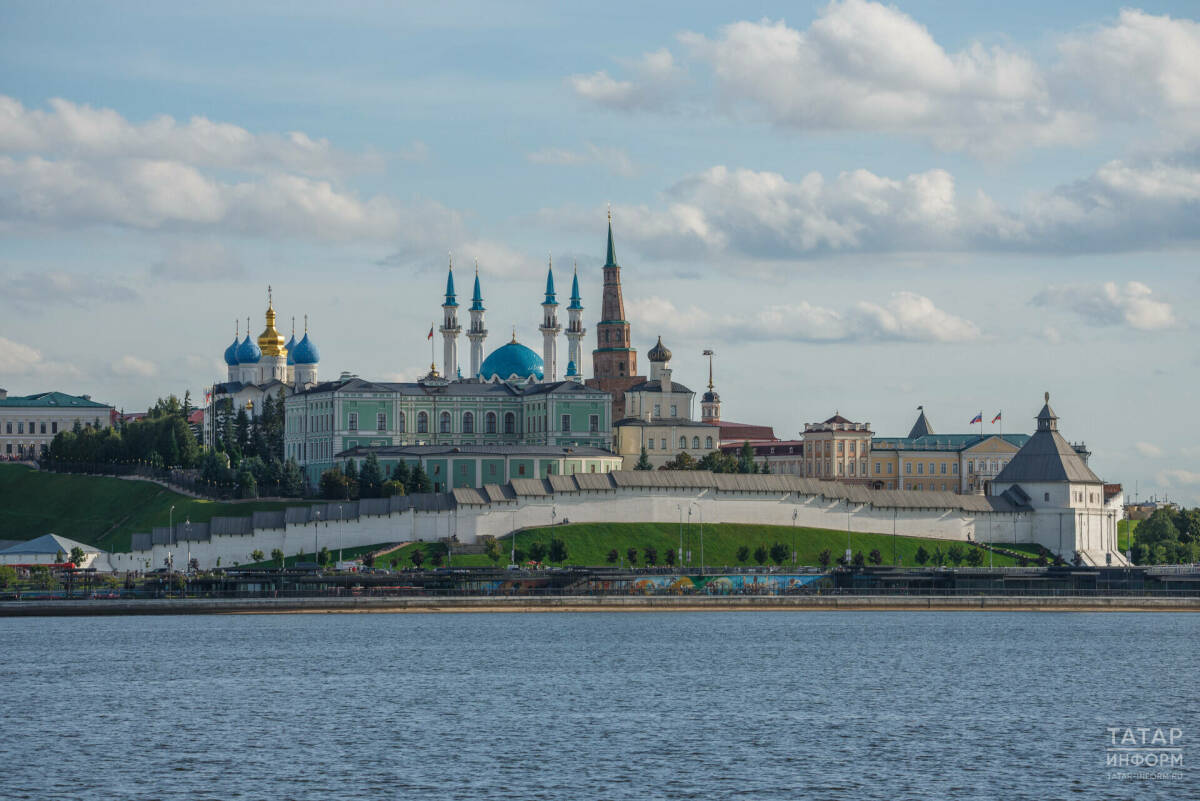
x=572, y=370
x=291, y=346
x=659, y=353
x=513, y=359
x=306, y=351
x=231, y=353
x=248, y=352
x=710, y=397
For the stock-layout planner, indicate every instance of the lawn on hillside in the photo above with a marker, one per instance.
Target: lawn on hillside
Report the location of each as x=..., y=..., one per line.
x=588, y=544
x=98, y=510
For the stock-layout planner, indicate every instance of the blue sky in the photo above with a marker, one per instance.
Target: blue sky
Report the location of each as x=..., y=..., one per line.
x=860, y=207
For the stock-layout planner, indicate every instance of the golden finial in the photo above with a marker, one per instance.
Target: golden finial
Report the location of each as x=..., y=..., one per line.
x=610, y=211
x=514, y=339
x=1047, y=397
x=306, y=323
x=450, y=255
x=576, y=263
x=477, y=265
x=270, y=303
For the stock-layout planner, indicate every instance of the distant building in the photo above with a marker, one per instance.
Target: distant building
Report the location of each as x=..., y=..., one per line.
x=28, y=423
x=51, y=549
x=783, y=456
x=837, y=448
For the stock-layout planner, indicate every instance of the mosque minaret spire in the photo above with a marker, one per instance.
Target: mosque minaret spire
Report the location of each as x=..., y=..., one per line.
x=550, y=328
x=450, y=328
x=477, y=333
x=575, y=332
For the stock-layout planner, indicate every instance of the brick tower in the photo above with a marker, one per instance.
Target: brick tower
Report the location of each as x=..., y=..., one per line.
x=614, y=361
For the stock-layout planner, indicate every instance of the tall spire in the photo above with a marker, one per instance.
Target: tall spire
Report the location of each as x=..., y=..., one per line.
x=576, y=300
x=550, y=293
x=612, y=250
x=450, y=301
x=477, y=296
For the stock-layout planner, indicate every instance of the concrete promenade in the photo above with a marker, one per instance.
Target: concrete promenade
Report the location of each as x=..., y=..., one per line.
x=599, y=603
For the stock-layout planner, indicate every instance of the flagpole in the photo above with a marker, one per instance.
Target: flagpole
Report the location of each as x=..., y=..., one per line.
x=431, y=359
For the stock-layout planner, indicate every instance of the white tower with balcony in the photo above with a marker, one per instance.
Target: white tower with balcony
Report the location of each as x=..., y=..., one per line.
x=575, y=332
x=550, y=329
x=450, y=329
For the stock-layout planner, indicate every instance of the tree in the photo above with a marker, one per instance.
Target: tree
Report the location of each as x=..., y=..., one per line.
x=8, y=576
x=746, y=463
x=416, y=557
x=779, y=553
x=334, y=486
x=612, y=556
x=59, y=556
x=256, y=555
x=939, y=556
x=669, y=557
x=371, y=480
x=650, y=554
x=824, y=558
x=368, y=560
x=352, y=481
x=391, y=487
x=765, y=467
x=292, y=483
x=975, y=557
x=956, y=554
x=718, y=462
x=922, y=555
x=42, y=578
x=492, y=549
x=858, y=560
x=761, y=554
x=631, y=555
x=77, y=556
x=419, y=482
x=277, y=557
x=684, y=461
x=323, y=556
x=537, y=551
x=401, y=472
x=558, y=551
x=875, y=557
x=241, y=431
x=643, y=462
x=247, y=484
x=437, y=557
x=743, y=553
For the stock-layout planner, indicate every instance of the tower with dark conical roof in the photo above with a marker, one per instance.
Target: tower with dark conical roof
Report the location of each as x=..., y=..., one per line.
x=614, y=361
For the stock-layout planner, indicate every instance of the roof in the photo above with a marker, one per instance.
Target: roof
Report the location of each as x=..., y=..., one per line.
x=659, y=353
x=837, y=418
x=47, y=543
x=512, y=358
x=744, y=431
x=665, y=421
x=921, y=428
x=611, y=260
x=943, y=442
x=656, y=386
x=462, y=388
x=53, y=400
x=1047, y=456
x=559, y=451
x=196, y=416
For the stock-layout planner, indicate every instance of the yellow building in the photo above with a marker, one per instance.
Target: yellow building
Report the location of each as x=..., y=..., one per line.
x=923, y=460
x=837, y=449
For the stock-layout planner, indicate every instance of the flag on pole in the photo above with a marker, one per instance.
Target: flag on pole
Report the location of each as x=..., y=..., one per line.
x=430, y=335
x=976, y=419
x=997, y=417
x=207, y=396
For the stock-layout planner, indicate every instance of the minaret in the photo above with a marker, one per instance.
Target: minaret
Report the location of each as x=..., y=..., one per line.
x=550, y=329
x=476, y=333
x=613, y=356
x=450, y=328
x=575, y=332
x=710, y=402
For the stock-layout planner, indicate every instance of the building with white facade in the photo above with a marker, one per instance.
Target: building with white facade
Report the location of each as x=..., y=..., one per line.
x=29, y=423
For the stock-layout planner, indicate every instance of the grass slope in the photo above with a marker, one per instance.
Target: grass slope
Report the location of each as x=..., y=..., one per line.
x=588, y=544
x=97, y=510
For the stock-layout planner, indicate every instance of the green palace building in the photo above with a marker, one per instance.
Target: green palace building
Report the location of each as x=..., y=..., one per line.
x=510, y=399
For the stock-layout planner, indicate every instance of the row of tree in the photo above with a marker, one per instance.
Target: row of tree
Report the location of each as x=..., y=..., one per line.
x=1168, y=537
x=162, y=439
x=714, y=462
x=373, y=481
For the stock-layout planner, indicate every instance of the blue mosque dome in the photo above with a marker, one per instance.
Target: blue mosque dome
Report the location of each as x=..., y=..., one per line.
x=306, y=352
x=248, y=352
x=291, y=346
x=512, y=359
x=231, y=353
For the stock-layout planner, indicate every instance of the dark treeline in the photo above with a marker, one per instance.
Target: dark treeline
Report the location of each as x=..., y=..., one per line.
x=714, y=462
x=1168, y=537
x=372, y=481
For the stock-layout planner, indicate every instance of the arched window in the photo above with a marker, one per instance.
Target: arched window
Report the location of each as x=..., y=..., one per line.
x=422, y=423
x=510, y=423
x=708, y=443
x=445, y=423
x=682, y=443
x=468, y=426
x=400, y=421
x=696, y=443
x=490, y=422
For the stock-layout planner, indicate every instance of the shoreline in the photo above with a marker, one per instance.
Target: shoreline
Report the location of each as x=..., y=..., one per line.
x=588, y=603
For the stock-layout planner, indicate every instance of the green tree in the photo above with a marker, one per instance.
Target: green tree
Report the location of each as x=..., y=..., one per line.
x=419, y=482
x=718, y=462
x=77, y=556
x=746, y=463
x=8, y=576
x=612, y=556
x=42, y=578
x=743, y=553
x=416, y=557
x=391, y=487
x=323, y=556
x=760, y=554
x=537, y=551
x=292, y=481
x=875, y=557
x=334, y=485
x=975, y=557
x=241, y=430
x=956, y=554
x=436, y=557
x=370, y=481
x=650, y=555
x=631, y=555
x=492, y=549
x=939, y=556
x=922, y=555
x=779, y=553
x=684, y=461
x=368, y=560
x=859, y=560
x=824, y=558
x=247, y=484
x=558, y=551
x=401, y=473
x=256, y=555
x=669, y=557
x=643, y=462
x=277, y=557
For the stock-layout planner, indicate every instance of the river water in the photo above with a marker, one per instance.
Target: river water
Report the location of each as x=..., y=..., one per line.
x=707, y=705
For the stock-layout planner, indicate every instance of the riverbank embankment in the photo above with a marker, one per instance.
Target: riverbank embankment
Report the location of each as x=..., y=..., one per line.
x=596, y=603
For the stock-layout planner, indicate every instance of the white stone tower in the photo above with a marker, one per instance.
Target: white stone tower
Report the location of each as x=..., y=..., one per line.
x=575, y=332
x=550, y=329
x=477, y=333
x=450, y=329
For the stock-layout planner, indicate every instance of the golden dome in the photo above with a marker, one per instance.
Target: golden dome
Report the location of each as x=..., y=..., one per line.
x=270, y=341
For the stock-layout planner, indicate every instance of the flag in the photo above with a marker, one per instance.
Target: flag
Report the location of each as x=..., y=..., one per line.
x=976, y=419
x=207, y=396
x=430, y=335
x=997, y=417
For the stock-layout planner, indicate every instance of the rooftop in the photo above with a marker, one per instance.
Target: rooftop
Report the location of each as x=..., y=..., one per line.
x=53, y=400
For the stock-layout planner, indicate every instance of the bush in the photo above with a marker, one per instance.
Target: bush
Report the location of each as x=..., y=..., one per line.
x=760, y=554
x=631, y=555
x=824, y=558
x=612, y=556
x=537, y=552
x=651, y=555
x=743, y=553
x=875, y=557
x=922, y=555
x=390, y=488
x=779, y=553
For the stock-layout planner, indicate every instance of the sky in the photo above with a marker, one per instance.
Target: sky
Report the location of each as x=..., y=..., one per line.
x=859, y=207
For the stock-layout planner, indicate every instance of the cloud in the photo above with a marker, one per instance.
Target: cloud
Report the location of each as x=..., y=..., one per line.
x=613, y=159
x=132, y=366
x=904, y=317
x=1148, y=449
x=197, y=261
x=656, y=79
x=18, y=359
x=32, y=291
x=1110, y=304
x=1176, y=478
x=81, y=132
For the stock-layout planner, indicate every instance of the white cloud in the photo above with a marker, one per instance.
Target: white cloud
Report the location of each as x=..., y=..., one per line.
x=1177, y=478
x=1148, y=449
x=614, y=159
x=34, y=291
x=1110, y=304
x=132, y=366
x=656, y=79
x=904, y=317
x=195, y=261
x=23, y=361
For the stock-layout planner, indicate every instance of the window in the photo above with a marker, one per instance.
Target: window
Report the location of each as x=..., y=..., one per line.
x=841, y=447
x=920, y=468
x=954, y=468
x=663, y=443
x=8, y=427
x=696, y=443
x=565, y=422
x=682, y=443
x=878, y=467
x=932, y=469
x=828, y=445
x=400, y=422
x=674, y=410
x=422, y=423
x=490, y=422
x=381, y=421
x=943, y=470
x=841, y=468
x=42, y=428
x=889, y=468
x=510, y=423
x=8, y=448
x=20, y=428
x=852, y=446
x=444, y=423
x=651, y=447
x=658, y=410
x=462, y=469
x=1046, y=497
x=971, y=466
x=353, y=424
x=918, y=486
x=708, y=443
x=852, y=468
x=594, y=423
x=908, y=468
x=520, y=470
x=468, y=424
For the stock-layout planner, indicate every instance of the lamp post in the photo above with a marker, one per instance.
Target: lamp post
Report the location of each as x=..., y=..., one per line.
x=700, y=513
x=341, y=538
x=689, y=552
x=679, y=509
x=795, y=514
x=316, y=529
x=513, y=558
x=172, y=524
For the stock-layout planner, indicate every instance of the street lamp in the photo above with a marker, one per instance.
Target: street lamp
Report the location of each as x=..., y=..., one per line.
x=679, y=509
x=700, y=513
x=795, y=514
x=342, y=537
x=689, y=553
x=172, y=524
x=513, y=558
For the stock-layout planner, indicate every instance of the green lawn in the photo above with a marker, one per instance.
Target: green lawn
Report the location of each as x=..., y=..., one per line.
x=588, y=544
x=347, y=555
x=97, y=510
